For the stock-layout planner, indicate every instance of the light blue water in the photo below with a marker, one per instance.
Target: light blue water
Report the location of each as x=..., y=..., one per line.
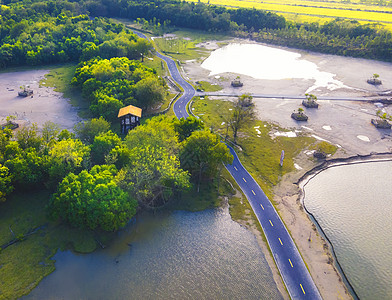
x=353, y=205
x=180, y=255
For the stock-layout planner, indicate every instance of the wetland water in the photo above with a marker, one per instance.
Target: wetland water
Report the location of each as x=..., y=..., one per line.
x=353, y=205
x=179, y=255
x=263, y=62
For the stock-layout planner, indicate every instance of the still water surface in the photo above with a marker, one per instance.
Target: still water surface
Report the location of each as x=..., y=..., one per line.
x=263, y=62
x=353, y=205
x=180, y=255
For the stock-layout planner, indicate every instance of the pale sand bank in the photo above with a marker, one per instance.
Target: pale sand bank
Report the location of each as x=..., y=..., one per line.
x=45, y=104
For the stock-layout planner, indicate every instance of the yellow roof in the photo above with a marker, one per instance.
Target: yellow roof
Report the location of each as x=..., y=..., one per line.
x=130, y=109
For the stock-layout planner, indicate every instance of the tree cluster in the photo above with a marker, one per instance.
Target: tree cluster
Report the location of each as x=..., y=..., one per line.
x=100, y=180
x=45, y=32
x=36, y=34
x=110, y=84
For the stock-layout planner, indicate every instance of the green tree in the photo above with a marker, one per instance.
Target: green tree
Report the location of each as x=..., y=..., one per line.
x=185, y=127
x=102, y=145
x=88, y=130
x=153, y=168
x=5, y=137
x=242, y=113
x=5, y=183
x=106, y=106
x=89, y=50
x=93, y=200
x=149, y=92
x=28, y=167
x=154, y=176
x=28, y=137
x=67, y=156
x=202, y=154
x=120, y=156
x=65, y=134
x=157, y=132
x=50, y=133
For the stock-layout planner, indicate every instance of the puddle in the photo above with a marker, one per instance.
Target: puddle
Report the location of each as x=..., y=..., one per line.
x=363, y=138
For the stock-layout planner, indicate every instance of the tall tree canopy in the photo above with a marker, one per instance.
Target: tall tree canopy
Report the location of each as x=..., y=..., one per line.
x=202, y=153
x=5, y=183
x=243, y=112
x=93, y=200
x=154, y=171
x=67, y=156
x=117, y=82
x=185, y=127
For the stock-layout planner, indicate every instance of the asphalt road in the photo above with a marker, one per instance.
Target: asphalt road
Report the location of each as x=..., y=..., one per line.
x=179, y=106
x=292, y=268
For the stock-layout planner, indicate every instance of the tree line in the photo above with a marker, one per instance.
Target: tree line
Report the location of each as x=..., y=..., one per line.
x=342, y=37
x=109, y=84
x=58, y=31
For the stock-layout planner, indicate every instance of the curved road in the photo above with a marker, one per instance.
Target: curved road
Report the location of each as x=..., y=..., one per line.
x=179, y=106
x=295, y=275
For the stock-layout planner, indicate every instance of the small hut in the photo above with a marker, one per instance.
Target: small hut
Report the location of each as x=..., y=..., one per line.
x=129, y=117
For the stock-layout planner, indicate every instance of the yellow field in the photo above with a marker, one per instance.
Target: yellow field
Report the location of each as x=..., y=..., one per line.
x=310, y=11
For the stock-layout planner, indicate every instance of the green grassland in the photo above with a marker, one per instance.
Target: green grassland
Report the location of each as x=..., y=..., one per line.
x=181, y=44
x=24, y=263
x=316, y=11
x=260, y=153
x=208, y=87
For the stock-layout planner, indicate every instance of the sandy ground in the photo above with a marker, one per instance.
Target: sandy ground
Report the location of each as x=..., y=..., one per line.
x=44, y=105
x=344, y=123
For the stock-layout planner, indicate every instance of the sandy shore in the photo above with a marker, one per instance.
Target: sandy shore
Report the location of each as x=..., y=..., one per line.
x=343, y=123
x=45, y=104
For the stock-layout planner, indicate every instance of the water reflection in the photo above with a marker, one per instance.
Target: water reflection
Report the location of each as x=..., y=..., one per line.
x=353, y=205
x=178, y=255
x=264, y=62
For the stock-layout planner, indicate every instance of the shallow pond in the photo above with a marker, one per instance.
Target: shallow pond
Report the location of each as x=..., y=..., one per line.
x=180, y=255
x=353, y=205
x=263, y=62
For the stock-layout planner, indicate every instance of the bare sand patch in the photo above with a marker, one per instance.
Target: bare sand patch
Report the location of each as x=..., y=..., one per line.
x=44, y=105
x=209, y=45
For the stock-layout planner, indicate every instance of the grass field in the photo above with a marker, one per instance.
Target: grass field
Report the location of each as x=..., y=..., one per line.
x=260, y=153
x=25, y=263
x=310, y=11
